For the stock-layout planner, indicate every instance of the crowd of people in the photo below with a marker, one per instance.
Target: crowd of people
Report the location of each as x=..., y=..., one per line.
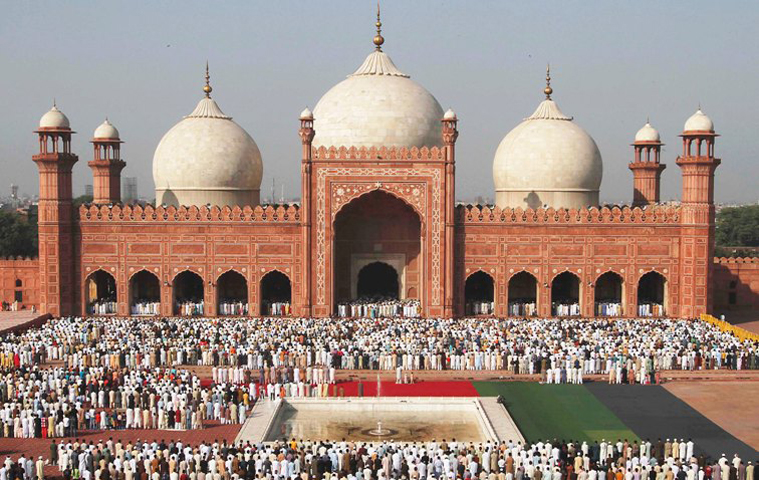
x=298, y=459
x=146, y=307
x=650, y=309
x=520, y=346
x=13, y=306
x=379, y=308
x=523, y=308
x=482, y=307
x=231, y=307
x=609, y=309
x=103, y=306
x=189, y=307
x=566, y=308
x=277, y=309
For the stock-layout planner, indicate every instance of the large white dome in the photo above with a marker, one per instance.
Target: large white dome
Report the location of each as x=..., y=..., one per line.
x=547, y=160
x=378, y=105
x=207, y=159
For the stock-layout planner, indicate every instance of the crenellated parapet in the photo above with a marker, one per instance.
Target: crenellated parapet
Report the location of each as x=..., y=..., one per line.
x=384, y=153
x=137, y=213
x=736, y=260
x=659, y=214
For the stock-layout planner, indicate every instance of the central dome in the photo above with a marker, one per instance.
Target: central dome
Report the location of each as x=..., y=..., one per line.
x=547, y=161
x=378, y=106
x=207, y=158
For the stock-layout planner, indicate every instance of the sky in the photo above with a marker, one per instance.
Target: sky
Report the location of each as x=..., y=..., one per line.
x=614, y=63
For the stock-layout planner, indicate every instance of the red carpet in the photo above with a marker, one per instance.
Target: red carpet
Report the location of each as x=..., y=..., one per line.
x=420, y=389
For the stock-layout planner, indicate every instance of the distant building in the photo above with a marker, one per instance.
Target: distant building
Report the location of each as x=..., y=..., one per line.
x=88, y=190
x=129, y=190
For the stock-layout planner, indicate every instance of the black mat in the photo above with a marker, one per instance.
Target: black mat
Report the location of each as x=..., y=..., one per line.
x=652, y=412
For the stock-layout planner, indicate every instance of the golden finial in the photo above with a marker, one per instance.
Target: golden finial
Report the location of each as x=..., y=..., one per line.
x=208, y=88
x=378, y=39
x=548, y=90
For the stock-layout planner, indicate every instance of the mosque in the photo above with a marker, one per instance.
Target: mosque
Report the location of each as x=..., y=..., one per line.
x=377, y=215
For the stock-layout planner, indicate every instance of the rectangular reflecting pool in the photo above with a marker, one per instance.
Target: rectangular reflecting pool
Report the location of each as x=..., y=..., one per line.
x=376, y=420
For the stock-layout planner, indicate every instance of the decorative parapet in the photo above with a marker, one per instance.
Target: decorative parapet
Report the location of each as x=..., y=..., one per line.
x=18, y=259
x=137, y=213
x=748, y=260
x=626, y=214
x=383, y=153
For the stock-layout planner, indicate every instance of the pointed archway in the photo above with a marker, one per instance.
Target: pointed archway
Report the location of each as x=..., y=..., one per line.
x=144, y=294
x=377, y=227
x=523, y=295
x=652, y=295
x=565, y=295
x=378, y=280
x=189, y=294
x=232, y=294
x=101, y=293
x=608, y=294
x=276, y=294
x=479, y=290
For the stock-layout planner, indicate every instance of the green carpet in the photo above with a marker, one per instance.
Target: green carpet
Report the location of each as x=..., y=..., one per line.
x=557, y=411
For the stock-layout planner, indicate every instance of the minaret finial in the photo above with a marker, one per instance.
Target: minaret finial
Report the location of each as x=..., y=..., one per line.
x=548, y=90
x=648, y=120
x=55, y=104
x=378, y=39
x=208, y=88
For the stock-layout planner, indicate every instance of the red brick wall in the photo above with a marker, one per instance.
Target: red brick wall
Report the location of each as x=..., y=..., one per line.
x=28, y=271
x=736, y=287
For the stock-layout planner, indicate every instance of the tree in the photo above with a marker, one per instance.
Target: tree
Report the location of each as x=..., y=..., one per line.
x=738, y=226
x=18, y=235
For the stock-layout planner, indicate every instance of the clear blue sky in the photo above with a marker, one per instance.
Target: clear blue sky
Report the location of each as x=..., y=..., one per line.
x=141, y=64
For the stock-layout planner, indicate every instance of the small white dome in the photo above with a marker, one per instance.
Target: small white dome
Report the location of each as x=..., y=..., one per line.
x=449, y=115
x=378, y=105
x=306, y=114
x=207, y=158
x=54, y=119
x=647, y=133
x=106, y=130
x=699, y=122
x=547, y=160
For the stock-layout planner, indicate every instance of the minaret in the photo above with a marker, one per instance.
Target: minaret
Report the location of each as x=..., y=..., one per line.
x=106, y=164
x=646, y=167
x=306, y=133
x=450, y=134
x=697, y=161
x=55, y=214
x=697, y=164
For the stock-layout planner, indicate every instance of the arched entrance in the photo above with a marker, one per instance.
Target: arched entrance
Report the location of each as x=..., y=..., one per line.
x=276, y=294
x=232, y=294
x=479, y=293
x=652, y=295
x=377, y=228
x=101, y=293
x=144, y=294
x=378, y=280
x=523, y=295
x=565, y=295
x=189, y=297
x=608, y=295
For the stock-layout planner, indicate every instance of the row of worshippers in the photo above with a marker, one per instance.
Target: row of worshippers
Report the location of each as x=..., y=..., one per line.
x=379, y=308
x=439, y=460
x=518, y=346
x=60, y=402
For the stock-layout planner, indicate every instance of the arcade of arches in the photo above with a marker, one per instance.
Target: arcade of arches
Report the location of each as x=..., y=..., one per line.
x=479, y=292
x=188, y=294
x=380, y=232
x=101, y=293
x=276, y=294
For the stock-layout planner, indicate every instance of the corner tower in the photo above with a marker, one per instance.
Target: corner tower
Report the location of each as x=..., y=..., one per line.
x=697, y=164
x=56, y=236
x=646, y=167
x=106, y=164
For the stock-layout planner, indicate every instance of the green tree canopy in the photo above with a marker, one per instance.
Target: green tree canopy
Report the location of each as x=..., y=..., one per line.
x=18, y=236
x=738, y=226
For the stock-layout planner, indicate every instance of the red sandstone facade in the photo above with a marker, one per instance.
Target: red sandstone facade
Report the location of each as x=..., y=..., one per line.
x=389, y=205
